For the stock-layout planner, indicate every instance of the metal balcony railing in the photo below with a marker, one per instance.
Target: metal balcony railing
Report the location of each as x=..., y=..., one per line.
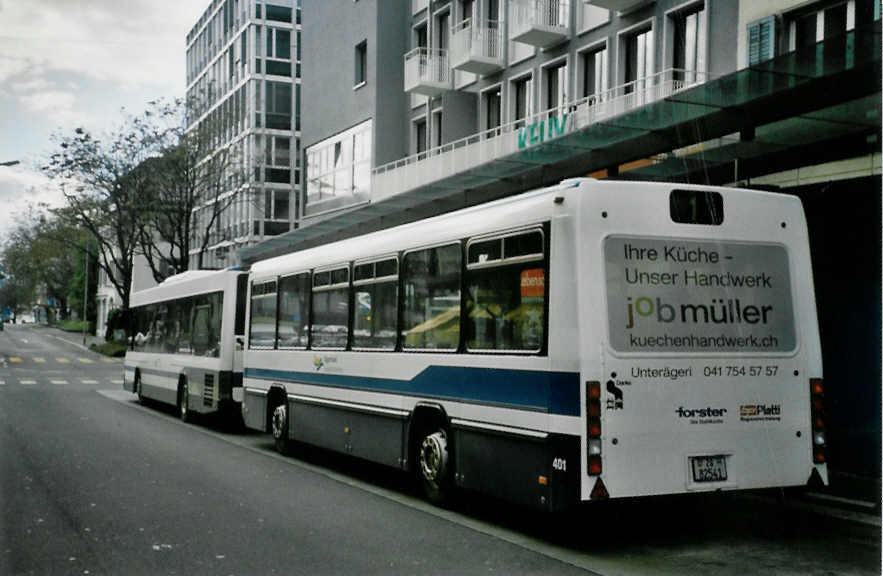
x=427, y=71
x=477, y=46
x=509, y=139
x=540, y=23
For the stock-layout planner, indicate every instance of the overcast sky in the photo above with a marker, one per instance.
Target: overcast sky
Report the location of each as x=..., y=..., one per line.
x=70, y=63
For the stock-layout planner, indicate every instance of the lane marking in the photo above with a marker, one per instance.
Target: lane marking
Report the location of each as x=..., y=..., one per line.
x=59, y=382
x=85, y=361
x=27, y=382
x=63, y=360
x=14, y=359
x=108, y=360
x=118, y=382
x=2, y=382
x=39, y=360
x=87, y=381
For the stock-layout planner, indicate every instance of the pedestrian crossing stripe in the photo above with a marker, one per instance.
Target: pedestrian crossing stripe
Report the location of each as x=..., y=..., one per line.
x=27, y=382
x=119, y=382
x=85, y=360
x=39, y=360
x=14, y=359
x=88, y=381
x=108, y=360
x=59, y=382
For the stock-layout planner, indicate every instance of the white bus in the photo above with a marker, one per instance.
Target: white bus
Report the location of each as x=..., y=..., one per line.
x=586, y=341
x=185, y=346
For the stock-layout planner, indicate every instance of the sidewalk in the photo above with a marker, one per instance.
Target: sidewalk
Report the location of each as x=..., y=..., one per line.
x=75, y=338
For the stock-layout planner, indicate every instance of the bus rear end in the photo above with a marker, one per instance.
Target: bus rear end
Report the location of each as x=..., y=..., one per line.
x=701, y=359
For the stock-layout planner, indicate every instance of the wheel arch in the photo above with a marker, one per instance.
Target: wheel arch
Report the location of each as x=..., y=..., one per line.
x=424, y=416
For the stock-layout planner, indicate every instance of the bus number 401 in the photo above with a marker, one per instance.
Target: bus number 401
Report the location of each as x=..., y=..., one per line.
x=559, y=464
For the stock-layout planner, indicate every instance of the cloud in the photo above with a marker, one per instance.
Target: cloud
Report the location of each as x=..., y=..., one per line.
x=20, y=188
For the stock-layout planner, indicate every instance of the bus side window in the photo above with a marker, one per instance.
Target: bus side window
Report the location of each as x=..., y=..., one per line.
x=505, y=290
x=262, y=328
x=294, y=299
x=431, y=299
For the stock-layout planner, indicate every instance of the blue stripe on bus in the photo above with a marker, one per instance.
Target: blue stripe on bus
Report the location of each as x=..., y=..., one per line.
x=552, y=392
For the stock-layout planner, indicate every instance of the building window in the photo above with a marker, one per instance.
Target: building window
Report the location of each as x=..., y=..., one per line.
x=761, y=40
x=492, y=110
x=827, y=20
x=594, y=72
x=339, y=168
x=688, y=51
x=556, y=91
x=522, y=99
x=437, y=129
x=361, y=55
x=638, y=60
x=420, y=136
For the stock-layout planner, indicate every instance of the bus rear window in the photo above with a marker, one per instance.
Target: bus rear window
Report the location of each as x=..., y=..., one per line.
x=696, y=207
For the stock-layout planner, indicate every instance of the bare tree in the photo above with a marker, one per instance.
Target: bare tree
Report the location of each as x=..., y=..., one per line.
x=194, y=181
x=104, y=189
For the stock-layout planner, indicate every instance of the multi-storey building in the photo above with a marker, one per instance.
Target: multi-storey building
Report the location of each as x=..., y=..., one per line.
x=476, y=68
x=243, y=93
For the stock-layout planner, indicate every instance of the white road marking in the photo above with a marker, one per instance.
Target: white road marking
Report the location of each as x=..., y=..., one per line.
x=118, y=382
x=27, y=382
x=63, y=360
x=85, y=360
x=39, y=360
x=59, y=382
x=84, y=381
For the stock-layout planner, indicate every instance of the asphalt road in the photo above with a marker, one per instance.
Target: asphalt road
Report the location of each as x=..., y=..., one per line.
x=91, y=482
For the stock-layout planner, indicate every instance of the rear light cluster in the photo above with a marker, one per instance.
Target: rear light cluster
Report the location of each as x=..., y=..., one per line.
x=817, y=411
x=593, y=432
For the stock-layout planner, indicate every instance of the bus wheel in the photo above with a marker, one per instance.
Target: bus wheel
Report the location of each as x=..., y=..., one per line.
x=434, y=469
x=184, y=401
x=280, y=429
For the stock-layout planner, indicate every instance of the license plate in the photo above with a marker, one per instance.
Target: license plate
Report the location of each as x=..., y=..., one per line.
x=709, y=468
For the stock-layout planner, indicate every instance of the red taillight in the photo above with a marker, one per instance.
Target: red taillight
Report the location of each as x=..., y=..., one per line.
x=593, y=427
x=594, y=465
x=817, y=410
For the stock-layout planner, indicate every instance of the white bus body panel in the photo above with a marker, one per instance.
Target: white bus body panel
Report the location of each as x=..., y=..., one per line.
x=751, y=408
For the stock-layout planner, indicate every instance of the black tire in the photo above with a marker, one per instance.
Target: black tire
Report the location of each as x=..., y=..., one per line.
x=279, y=426
x=434, y=465
x=184, y=401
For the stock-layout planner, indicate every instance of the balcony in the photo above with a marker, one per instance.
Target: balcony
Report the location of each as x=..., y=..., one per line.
x=477, y=48
x=540, y=23
x=427, y=71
